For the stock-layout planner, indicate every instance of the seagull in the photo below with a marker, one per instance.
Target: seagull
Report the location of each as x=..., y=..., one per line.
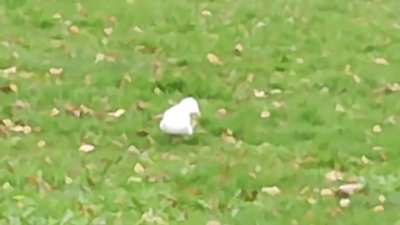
x=178, y=120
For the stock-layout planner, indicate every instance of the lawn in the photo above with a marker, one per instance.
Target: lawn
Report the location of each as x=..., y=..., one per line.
x=298, y=98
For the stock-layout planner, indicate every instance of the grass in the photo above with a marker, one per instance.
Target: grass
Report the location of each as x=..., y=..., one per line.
x=314, y=51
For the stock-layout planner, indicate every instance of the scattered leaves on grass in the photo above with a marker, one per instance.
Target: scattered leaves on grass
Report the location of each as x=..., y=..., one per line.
x=214, y=59
x=86, y=148
x=227, y=136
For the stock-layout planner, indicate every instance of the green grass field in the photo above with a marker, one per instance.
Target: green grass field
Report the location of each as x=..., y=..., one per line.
x=289, y=91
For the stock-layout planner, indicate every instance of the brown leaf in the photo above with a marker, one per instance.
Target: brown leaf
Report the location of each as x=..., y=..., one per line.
x=74, y=29
x=141, y=105
x=214, y=59
x=273, y=190
x=118, y=113
x=239, y=49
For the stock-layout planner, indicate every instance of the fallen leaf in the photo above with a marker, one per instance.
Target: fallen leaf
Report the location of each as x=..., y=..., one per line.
x=108, y=31
x=222, y=112
x=54, y=71
x=339, y=108
x=54, y=112
x=13, y=87
x=139, y=169
x=334, y=175
x=99, y=58
x=10, y=71
x=326, y=192
x=259, y=93
x=41, y=144
x=382, y=199
x=141, y=105
x=273, y=190
x=379, y=208
x=364, y=160
x=239, y=49
x=356, y=79
x=381, y=61
x=213, y=222
x=299, y=60
x=350, y=189
x=311, y=201
x=118, y=113
x=22, y=129
x=206, y=13
x=86, y=148
x=68, y=180
x=377, y=129
x=344, y=202
x=265, y=114
x=74, y=29
x=213, y=59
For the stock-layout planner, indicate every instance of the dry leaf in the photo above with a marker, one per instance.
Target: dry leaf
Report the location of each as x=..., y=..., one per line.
x=311, y=201
x=139, y=169
x=299, y=60
x=118, y=113
x=259, y=93
x=356, y=79
x=382, y=199
x=379, y=208
x=364, y=160
x=21, y=129
x=56, y=71
x=239, y=49
x=377, y=129
x=108, y=31
x=138, y=29
x=10, y=71
x=339, y=108
x=54, y=112
x=334, y=175
x=227, y=136
x=8, y=123
x=86, y=148
x=326, y=192
x=381, y=61
x=68, y=180
x=349, y=189
x=250, y=77
x=277, y=104
x=141, y=105
x=344, y=202
x=213, y=59
x=213, y=222
x=41, y=144
x=222, y=112
x=13, y=87
x=74, y=29
x=99, y=57
x=206, y=13
x=273, y=190
x=265, y=114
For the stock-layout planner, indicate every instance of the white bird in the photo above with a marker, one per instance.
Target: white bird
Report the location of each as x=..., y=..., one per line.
x=177, y=120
